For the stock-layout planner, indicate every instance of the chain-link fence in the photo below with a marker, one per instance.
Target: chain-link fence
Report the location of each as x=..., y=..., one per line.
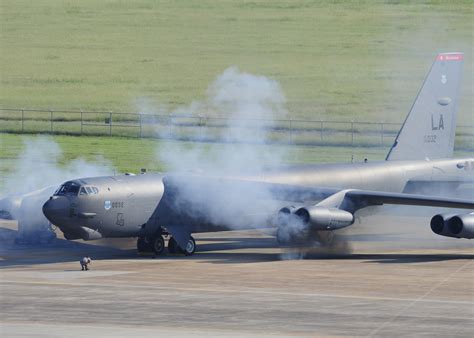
x=210, y=129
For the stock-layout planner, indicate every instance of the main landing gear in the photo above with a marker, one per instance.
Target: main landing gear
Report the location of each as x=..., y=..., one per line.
x=156, y=245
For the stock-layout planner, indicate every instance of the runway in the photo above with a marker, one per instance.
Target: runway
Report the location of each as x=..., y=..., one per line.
x=239, y=284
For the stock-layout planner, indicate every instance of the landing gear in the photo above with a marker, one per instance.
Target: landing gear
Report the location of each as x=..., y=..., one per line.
x=158, y=245
x=188, y=250
x=155, y=244
x=190, y=247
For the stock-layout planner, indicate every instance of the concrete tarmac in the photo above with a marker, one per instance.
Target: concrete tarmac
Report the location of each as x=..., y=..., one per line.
x=386, y=282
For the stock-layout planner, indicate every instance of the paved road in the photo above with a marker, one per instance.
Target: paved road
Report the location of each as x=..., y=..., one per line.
x=239, y=285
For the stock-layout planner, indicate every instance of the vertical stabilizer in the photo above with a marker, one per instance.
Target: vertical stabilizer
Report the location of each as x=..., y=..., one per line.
x=429, y=129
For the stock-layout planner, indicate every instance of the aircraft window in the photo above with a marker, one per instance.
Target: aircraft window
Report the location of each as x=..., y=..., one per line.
x=89, y=190
x=83, y=191
x=69, y=189
x=96, y=191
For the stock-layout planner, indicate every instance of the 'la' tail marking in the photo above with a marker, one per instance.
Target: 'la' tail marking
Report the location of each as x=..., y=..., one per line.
x=440, y=125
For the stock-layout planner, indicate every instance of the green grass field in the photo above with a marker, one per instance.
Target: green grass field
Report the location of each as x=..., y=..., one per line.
x=335, y=60
x=131, y=154
x=361, y=60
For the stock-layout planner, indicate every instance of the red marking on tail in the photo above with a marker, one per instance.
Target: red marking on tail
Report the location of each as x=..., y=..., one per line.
x=450, y=57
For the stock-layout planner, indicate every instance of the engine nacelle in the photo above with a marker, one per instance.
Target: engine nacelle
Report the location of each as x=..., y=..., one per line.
x=321, y=218
x=452, y=225
x=439, y=226
x=300, y=225
x=462, y=226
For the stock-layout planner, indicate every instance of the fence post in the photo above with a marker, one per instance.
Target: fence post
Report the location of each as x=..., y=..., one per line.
x=352, y=133
x=200, y=127
x=291, y=132
x=82, y=121
x=381, y=133
x=110, y=124
x=170, y=122
x=321, y=131
x=140, y=119
x=51, y=119
x=22, y=120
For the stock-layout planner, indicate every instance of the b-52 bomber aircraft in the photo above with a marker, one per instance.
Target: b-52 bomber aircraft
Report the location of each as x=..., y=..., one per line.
x=306, y=204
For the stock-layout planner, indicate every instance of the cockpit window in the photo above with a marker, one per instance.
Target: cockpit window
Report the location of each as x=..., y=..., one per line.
x=88, y=190
x=68, y=189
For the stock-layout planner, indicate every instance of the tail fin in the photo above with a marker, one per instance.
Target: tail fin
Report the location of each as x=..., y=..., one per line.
x=429, y=129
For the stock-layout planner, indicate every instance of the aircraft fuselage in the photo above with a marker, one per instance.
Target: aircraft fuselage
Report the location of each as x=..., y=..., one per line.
x=121, y=206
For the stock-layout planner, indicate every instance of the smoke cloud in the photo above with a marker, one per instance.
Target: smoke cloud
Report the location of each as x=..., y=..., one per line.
x=36, y=174
x=38, y=166
x=244, y=99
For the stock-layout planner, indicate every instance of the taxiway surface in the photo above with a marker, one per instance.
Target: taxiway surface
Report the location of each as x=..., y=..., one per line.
x=239, y=284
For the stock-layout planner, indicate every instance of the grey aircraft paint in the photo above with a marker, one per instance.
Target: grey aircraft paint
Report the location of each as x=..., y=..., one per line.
x=429, y=129
x=321, y=198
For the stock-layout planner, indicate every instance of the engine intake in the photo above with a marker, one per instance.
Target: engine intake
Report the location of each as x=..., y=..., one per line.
x=451, y=225
x=462, y=226
x=438, y=222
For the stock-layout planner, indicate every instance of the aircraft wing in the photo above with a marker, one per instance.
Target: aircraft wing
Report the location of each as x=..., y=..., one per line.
x=354, y=200
x=223, y=190
x=205, y=203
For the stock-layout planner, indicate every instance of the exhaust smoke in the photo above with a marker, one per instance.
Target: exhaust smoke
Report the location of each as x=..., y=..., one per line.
x=36, y=175
x=244, y=99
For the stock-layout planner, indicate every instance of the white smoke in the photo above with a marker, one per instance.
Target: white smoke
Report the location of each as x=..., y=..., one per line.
x=36, y=174
x=38, y=166
x=245, y=100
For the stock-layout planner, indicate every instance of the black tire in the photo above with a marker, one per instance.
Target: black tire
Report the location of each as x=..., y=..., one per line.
x=190, y=247
x=158, y=245
x=143, y=245
x=172, y=246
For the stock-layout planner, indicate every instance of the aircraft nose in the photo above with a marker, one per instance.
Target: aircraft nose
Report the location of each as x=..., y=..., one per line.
x=56, y=209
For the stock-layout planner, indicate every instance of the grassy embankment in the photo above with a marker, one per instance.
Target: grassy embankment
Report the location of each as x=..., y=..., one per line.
x=360, y=60
x=129, y=155
x=338, y=61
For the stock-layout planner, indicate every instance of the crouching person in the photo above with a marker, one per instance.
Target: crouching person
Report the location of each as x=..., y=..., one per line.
x=85, y=263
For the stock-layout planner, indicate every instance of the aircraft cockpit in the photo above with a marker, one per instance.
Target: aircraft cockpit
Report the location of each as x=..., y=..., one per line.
x=73, y=189
x=86, y=190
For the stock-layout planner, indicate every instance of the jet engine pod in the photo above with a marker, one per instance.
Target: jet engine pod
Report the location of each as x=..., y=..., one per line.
x=439, y=226
x=462, y=226
x=290, y=228
x=287, y=210
x=321, y=218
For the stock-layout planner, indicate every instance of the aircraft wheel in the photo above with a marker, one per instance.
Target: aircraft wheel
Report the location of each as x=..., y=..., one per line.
x=158, y=245
x=172, y=246
x=190, y=247
x=143, y=245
